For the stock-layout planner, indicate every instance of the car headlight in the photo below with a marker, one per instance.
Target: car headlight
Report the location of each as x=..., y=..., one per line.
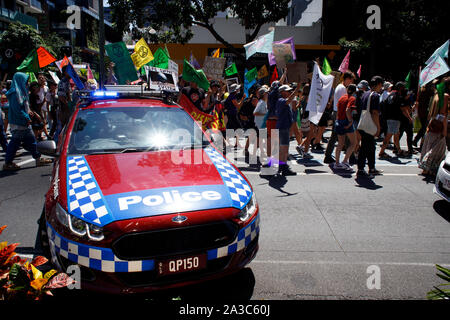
x=78, y=226
x=249, y=209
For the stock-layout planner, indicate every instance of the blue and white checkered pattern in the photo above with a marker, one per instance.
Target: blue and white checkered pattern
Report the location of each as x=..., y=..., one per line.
x=97, y=258
x=240, y=191
x=245, y=236
x=85, y=200
x=104, y=259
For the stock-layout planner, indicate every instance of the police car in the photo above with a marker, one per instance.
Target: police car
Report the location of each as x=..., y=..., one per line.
x=141, y=200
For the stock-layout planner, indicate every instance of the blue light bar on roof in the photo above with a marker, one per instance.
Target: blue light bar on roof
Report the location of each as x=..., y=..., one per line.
x=105, y=94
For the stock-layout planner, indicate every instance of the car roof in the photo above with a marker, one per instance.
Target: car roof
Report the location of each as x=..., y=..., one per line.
x=132, y=102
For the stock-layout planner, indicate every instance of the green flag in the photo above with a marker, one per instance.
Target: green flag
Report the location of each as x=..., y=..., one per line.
x=161, y=59
x=31, y=77
x=251, y=75
x=124, y=68
x=192, y=75
x=231, y=70
x=30, y=64
x=408, y=81
x=326, y=68
x=440, y=88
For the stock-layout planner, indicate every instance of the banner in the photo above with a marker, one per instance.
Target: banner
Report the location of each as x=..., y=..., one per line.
x=442, y=51
x=124, y=68
x=142, y=54
x=297, y=72
x=262, y=44
x=319, y=94
x=231, y=81
x=283, y=54
x=214, y=122
x=436, y=68
x=290, y=41
x=213, y=67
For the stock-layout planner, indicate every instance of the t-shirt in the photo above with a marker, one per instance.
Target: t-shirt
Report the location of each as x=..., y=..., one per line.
x=247, y=110
x=261, y=107
x=230, y=108
x=195, y=95
x=274, y=95
x=41, y=94
x=338, y=93
x=345, y=102
x=284, y=114
x=374, y=101
x=393, y=105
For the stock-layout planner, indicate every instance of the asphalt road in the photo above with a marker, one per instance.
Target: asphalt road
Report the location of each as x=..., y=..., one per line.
x=320, y=231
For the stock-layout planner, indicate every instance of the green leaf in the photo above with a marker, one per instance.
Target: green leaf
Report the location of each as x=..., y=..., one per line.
x=443, y=270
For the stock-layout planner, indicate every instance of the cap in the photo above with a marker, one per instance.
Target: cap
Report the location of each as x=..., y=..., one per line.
x=275, y=84
x=285, y=88
x=363, y=84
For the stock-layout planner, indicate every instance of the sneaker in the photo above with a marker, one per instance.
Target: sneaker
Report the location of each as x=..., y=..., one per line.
x=300, y=150
x=287, y=171
x=307, y=155
x=363, y=174
x=384, y=156
x=348, y=166
x=43, y=162
x=329, y=159
x=10, y=167
x=376, y=172
x=340, y=166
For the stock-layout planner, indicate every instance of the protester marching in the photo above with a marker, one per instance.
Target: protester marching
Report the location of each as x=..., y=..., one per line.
x=262, y=111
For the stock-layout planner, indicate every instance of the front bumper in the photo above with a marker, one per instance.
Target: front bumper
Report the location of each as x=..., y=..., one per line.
x=102, y=271
x=443, y=180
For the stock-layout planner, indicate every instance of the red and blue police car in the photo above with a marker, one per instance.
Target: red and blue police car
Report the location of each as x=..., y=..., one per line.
x=141, y=200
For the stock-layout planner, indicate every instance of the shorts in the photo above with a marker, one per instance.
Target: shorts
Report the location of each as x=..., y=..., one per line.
x=271, y=124
x=393, y=126
x=285, y=136
x=340, y=127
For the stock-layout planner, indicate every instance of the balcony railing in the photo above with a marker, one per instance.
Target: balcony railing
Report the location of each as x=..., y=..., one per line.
x=25, y=19
x=6, y=13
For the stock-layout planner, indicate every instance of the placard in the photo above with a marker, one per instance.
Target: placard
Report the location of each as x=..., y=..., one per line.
x=213, y=67
x=297, y=72
x=283, y=54
x=161, y=79
x=231, y=81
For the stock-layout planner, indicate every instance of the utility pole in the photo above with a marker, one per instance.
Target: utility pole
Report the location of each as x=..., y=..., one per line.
x=101, y=44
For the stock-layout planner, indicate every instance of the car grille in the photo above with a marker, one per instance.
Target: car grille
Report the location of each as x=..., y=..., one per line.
x=170, y=242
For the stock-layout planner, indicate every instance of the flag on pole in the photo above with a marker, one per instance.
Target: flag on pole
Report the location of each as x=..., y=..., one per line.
x=216, y=54
x=161, y=59
x=263, y=72
x=345, y=63
x=442, y=51
x=192, y=75
x=436, y=68
x=248, y=84
x=72, y=73
x=359, y=71
x=30, y=64
x=124, y=68
x=44, y=57
x=142, y=54
x=326, y=68
x=321, y=86
x=194, y=62
x=408, y=81
x=274, y=75
x=263, y=45
x=251, y=75
x=231, y=70
x=31, y=77
x=166, y=50
x=290, y=41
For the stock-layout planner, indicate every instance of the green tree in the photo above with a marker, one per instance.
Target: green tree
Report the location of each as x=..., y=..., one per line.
x=173, y=20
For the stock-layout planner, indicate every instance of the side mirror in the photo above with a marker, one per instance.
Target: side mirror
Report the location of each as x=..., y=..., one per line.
x=47, y=148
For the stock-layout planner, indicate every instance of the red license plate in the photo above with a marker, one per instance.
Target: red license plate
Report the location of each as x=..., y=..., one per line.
x=181, y=264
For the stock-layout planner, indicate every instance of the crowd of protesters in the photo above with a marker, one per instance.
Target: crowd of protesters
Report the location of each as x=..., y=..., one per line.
x=281, y=108
x=39, y=110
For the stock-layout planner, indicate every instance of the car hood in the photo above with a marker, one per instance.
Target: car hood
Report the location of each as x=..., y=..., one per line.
x=110, y=187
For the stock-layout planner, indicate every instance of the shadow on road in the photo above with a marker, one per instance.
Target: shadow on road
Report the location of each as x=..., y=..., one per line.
x=442, y=208
x=367, y=183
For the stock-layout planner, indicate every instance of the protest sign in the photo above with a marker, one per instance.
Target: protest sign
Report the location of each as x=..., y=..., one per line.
x=161, y=79
x=283, y=54
x=173, y=66
x=213, y=67
x=290, y=41
x=297, y=72
x=231, y=81
x=321, y=86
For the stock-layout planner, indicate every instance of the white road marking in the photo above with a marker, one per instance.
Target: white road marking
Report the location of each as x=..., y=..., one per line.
x=298, y=262
x=25, y=162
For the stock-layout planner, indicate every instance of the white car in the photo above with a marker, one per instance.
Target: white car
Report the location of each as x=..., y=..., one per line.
x=442, y=186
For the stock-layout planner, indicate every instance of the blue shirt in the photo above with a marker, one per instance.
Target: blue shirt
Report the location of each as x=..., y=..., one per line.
x=374, y=101
x=284, y=114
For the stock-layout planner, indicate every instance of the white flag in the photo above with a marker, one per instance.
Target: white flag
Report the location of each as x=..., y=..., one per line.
x=319, y=94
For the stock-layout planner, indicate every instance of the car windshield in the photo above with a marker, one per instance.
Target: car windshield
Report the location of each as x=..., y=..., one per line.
x=134, y=129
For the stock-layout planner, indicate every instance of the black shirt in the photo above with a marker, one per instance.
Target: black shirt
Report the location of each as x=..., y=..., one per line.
x=247, y=111
x=394, y=102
